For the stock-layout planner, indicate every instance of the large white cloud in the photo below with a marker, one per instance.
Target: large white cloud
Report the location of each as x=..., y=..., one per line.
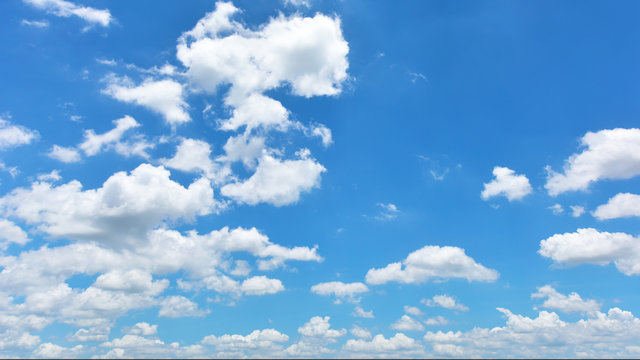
x=119, y=212
x=620, y=206
x=432, y=262
x=608, y=154
x=590, y=246
x=165, y=97
x=66, y=9
x=565, y=303
x=278, y=182
x=610, y=334
x=506, y=183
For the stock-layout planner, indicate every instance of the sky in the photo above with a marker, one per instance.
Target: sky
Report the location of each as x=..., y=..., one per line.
x=306, y=178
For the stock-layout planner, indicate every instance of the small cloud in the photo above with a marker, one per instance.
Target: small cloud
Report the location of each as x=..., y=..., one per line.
x=36, y=23
x=576, y=210
x=388, y=212
x=557, y=209
x=417, y=76
x=359, y=312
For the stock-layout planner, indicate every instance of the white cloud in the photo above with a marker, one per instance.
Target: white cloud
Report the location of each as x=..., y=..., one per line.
x=133, y=281
x=297, y=3
x=258, y=111
x=608, y=154
x=51, y=351
x=98, y=333
x=64, y=8
x=324, y=133
x=437, y=320
x=276, y=181
x=164, y=97
x=601, y=335
x=589, y=246
x=308, y=53
x=557, y=209
x=565, y=303
x=432, y=262
x=319, y=327
x=179, y=306
x=620, y=206
x=64, y=154
x=576, y=210
x=360, y=333
x=144, y=329
x=120, y=212
x=399, y=344
x=412, y=310
x=15, y=135
x=194, y=156
x=339, y=289
x=261, y=285
x=11, y=233
x=506, y=183
x=35, y=23
x=53, y=176
x=243, y=148
x=361, y=313
x=258, y=342
x=94, y=143
x=387, y=212
x=407, y=323
x=444, y=301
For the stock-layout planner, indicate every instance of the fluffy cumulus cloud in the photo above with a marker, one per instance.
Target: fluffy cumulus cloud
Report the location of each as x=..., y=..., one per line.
x=610, y=334
x=119, y=212
x=565, y=303
x=164, y=97
x=407, y=323
x=65, y=8
x=590, y=246
x=14, y=135
x=399, y=344
x=195, y=156
x=259, y=342
x=445, y=301
x=307, y=53
x=117, y=139
x=432, y=262
x=620, y=206
x=179, y=306
x=278, y=182
x=607, y=154
x=11, y=233
x=339, y=289
x=506, y=183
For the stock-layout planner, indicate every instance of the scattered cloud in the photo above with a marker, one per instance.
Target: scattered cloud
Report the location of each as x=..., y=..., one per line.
x=608, y=154
x=590, y=246
x=399, y=344
x=557, y=209
x=432, y=262
x=620, y=206
x=340, y=289
x=506, y=183
x=565, y=303
x=15, y=135
x=577, y=210
x=361, y=313
x=407, y=323
x=445, y=301
x=164, y=97
x=64, y=8
x=387, y=212
x=36, y=23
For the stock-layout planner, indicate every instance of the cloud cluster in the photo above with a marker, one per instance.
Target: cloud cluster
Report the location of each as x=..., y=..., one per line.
x=65, y=8
x=432, y=262
x=590, y=246
x=608, y=154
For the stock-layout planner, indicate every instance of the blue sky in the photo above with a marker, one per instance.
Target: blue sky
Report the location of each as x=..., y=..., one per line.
x=319, y=179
